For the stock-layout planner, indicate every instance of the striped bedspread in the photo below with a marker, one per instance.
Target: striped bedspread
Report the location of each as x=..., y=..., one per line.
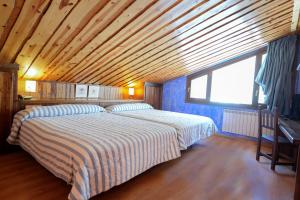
x=93, y=151
x=190, y=128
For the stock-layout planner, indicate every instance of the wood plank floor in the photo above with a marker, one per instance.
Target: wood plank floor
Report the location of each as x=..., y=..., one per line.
x=217, y=168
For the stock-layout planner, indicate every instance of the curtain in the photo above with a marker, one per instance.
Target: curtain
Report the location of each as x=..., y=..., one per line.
x=275, y=73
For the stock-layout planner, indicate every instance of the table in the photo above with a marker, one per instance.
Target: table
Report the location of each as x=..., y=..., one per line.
x=291, y=129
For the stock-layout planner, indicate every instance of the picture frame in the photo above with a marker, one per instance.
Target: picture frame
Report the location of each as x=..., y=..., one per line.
x=81, y=91
x=93, y=91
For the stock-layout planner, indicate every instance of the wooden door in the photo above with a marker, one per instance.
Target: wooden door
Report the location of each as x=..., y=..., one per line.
x=6, y=105
x=153, y=95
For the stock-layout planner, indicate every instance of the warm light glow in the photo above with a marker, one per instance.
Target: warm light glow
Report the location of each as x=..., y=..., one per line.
x=131, y=91
x=30, y=86
x=31, y=72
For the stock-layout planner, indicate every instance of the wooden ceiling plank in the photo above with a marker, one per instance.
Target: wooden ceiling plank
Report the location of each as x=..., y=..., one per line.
x=295, y=17
x=71, y=26
x=231, y=15
x=43, y=32
x=230, y=22
x=195, y=66
x=28, y=18
x=155, y=18
x=159, y=27
x=107, y=15
x=154, y=43
x=208, y=54
x=13, y=16
x=202, y=60
x=218, y=40
x=118, y=27
x=224, y=56
x=6, y=9
x=221, y=40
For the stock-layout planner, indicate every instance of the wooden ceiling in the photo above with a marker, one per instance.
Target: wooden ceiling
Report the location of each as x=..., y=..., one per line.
x=117, y=42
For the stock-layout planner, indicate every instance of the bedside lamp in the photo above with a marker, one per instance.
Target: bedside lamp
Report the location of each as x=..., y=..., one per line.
x=131, y=92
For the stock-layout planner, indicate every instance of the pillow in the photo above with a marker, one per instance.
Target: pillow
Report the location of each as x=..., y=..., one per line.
x=128, y=107
x=48, y=111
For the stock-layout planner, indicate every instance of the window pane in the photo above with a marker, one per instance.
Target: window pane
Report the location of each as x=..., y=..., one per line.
x=234, y=83
x=198, y=87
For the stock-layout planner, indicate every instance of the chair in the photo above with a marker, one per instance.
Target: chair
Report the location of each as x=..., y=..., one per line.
x=268, y=120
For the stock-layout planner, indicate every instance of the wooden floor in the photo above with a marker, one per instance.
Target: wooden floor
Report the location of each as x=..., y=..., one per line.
x=217, y=168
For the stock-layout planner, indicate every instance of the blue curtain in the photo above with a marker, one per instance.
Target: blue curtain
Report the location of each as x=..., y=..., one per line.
x=276, y=73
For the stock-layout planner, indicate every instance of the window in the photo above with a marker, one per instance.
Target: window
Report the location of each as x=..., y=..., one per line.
x=198, y=87
x=234, y=83
x=231, y=82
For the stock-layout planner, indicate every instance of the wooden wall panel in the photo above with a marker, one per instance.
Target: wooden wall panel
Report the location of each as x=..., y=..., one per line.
x=61, y=90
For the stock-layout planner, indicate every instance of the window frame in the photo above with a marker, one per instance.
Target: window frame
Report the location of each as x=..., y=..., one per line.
x=208, y=71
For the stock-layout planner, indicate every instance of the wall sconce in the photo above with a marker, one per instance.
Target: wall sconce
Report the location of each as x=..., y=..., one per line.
x=298, y=68
x=131, y=92
x=30, y=86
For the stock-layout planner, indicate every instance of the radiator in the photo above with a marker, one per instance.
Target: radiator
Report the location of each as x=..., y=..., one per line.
x=240, y=122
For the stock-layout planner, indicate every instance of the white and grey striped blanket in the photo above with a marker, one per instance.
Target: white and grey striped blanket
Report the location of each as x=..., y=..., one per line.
x=93, y=151
x=190, y=128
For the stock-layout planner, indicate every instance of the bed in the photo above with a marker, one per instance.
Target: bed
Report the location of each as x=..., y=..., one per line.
x=89, y=148
x=190, y=128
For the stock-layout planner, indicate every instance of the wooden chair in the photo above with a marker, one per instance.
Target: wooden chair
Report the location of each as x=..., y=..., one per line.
x=268, y=120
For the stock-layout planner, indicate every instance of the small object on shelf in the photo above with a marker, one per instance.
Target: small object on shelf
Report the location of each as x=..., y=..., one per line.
x=27, y=97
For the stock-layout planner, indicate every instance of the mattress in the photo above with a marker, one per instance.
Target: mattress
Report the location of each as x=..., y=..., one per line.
x=92, y=151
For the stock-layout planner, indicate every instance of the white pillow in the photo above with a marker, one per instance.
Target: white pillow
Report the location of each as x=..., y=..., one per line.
x=128, y=107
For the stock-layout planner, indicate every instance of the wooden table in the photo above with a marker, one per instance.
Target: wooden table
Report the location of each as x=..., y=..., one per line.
x=291, y=129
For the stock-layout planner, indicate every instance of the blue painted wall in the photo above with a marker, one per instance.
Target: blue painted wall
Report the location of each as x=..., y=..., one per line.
x=174, y=100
